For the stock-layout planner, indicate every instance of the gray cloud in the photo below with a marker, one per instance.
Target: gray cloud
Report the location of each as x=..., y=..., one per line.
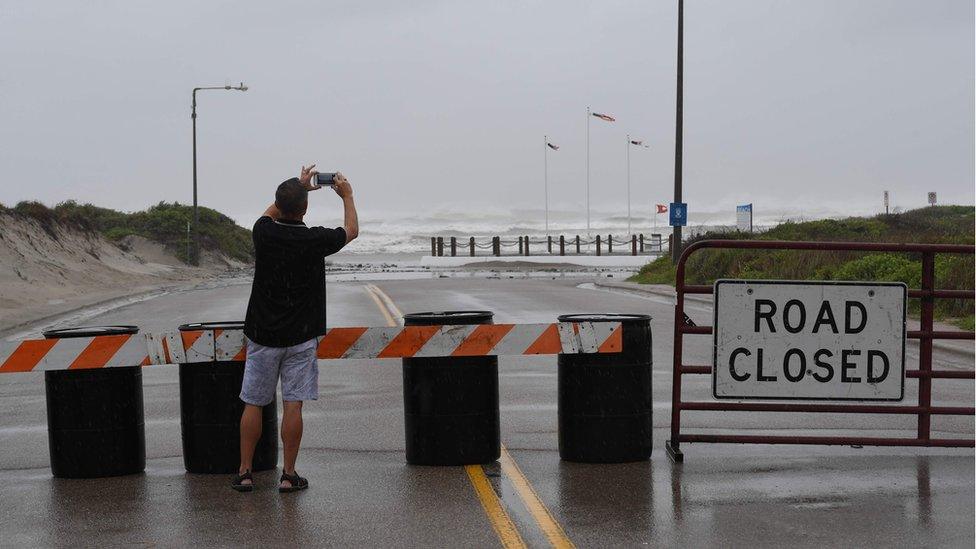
x=430, y=104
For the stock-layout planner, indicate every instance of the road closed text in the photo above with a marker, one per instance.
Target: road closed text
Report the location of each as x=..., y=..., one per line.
x=822, y=341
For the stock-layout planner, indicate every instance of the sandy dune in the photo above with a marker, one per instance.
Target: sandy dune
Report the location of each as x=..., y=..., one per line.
x=46, y=270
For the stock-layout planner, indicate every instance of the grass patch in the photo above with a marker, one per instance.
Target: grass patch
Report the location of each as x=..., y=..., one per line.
x=965, y=323
x=940, y=224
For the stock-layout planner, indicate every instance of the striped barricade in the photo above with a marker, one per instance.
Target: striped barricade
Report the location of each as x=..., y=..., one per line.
x=338, y=343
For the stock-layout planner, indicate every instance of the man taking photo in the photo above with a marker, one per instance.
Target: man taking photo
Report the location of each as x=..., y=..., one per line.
x=285, y=316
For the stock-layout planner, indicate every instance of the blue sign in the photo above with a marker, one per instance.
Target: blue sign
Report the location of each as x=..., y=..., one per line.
x=743, y=217
x=678, y=214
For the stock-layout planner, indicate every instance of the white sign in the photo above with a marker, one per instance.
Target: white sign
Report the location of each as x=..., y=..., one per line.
x=932, y=199
x=809, y=340
x=743, y=217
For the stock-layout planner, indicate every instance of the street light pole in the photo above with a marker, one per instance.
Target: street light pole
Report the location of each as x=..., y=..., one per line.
x=195, y=260
x=196, y=219
x=676, y=234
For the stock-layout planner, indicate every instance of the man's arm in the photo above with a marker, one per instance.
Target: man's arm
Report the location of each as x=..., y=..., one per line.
x=350, y=218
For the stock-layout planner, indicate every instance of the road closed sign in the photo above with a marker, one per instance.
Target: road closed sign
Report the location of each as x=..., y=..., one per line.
x=783, y=340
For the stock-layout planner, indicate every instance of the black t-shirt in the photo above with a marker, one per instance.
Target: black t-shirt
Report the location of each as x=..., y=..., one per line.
x=287, y=304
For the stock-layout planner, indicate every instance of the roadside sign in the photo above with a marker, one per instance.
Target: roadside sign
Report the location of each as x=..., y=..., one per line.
x=932, y=199
x=743, y=217
x=678, y=214
x=785, y=340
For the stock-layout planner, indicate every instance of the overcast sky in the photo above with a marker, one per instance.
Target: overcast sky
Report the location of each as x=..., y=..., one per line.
x=430, y=105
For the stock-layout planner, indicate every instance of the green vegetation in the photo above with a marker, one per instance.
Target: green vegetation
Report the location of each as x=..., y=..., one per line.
x=165, y=223
x=941, y=224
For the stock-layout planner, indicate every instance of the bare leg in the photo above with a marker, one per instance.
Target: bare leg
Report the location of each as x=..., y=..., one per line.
x=291, y=435
x=250, y=433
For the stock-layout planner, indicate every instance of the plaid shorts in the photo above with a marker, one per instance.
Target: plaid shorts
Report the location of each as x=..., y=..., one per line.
x=296, y=366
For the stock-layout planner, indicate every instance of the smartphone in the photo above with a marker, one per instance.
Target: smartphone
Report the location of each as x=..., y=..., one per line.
x=324, y=179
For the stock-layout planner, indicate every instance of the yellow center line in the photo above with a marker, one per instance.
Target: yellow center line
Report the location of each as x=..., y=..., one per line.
x=379, y=303
x=390, y=305
x=554, y=532
x=501, y=522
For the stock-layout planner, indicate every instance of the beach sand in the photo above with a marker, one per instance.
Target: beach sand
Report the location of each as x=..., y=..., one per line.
x=51, y=269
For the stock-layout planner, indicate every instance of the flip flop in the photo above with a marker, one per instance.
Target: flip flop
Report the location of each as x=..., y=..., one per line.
x=239, y=485
x=297, y=482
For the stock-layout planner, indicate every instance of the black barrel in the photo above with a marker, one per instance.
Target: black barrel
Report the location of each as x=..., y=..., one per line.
x=451, y=403
x=95, y=421
x=605, y=398
x=210, y=414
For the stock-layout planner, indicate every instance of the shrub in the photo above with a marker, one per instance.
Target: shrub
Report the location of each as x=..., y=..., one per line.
x=164, y=223
x=941, y=224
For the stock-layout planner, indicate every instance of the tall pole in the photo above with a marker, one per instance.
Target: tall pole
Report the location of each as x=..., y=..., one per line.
x=195, y=260
x=196, y=213
x=545, y=162
x=628, y=185
x=676, y=234
x=587, y=171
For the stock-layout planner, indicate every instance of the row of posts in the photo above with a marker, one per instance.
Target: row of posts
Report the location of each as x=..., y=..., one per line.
x=637, y=245
x=96, y=425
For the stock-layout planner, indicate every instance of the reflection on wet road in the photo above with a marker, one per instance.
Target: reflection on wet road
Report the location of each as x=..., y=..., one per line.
x=363, y=494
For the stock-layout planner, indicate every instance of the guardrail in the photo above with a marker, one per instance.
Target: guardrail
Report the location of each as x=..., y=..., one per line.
x=636, y=244
x=924, y=410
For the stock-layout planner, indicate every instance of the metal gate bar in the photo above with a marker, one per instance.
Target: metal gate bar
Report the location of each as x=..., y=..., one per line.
x=925, y=374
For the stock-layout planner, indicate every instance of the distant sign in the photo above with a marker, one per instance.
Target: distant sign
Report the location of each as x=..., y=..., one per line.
x=932, y=198
x=743, y=217
x=679, y=214
x=809, y=340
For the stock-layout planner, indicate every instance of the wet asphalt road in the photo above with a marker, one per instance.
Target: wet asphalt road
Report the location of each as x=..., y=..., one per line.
x=363, y=493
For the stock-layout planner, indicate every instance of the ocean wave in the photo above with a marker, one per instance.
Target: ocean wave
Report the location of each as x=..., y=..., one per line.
x=399, y=233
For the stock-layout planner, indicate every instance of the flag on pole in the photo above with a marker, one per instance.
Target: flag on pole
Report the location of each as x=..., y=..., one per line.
x=639, y=143
x=553, y=147
x=661, y=208
x=605, y=117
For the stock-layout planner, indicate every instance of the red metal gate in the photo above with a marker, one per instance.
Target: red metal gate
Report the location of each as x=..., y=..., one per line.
x=925, y=374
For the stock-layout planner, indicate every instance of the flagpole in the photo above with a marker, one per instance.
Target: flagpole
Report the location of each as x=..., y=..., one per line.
x=628, y=185
x=587, y=172
x=545, y=162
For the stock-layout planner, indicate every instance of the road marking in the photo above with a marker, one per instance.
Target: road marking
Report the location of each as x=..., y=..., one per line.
x=554, y=532
x=390, y=305
x=500, y=521
x=386, y=313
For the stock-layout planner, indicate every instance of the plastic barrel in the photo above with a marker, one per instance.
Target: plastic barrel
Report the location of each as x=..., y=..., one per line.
x=605, y=399
x=95, y=421
x=451, y=403
x=210, y=414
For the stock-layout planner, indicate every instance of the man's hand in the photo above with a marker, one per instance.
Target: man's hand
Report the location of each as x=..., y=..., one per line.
x=306, y=178
x=342, y=186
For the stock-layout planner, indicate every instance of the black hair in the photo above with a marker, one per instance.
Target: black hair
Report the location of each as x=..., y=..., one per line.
x=291, y=198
